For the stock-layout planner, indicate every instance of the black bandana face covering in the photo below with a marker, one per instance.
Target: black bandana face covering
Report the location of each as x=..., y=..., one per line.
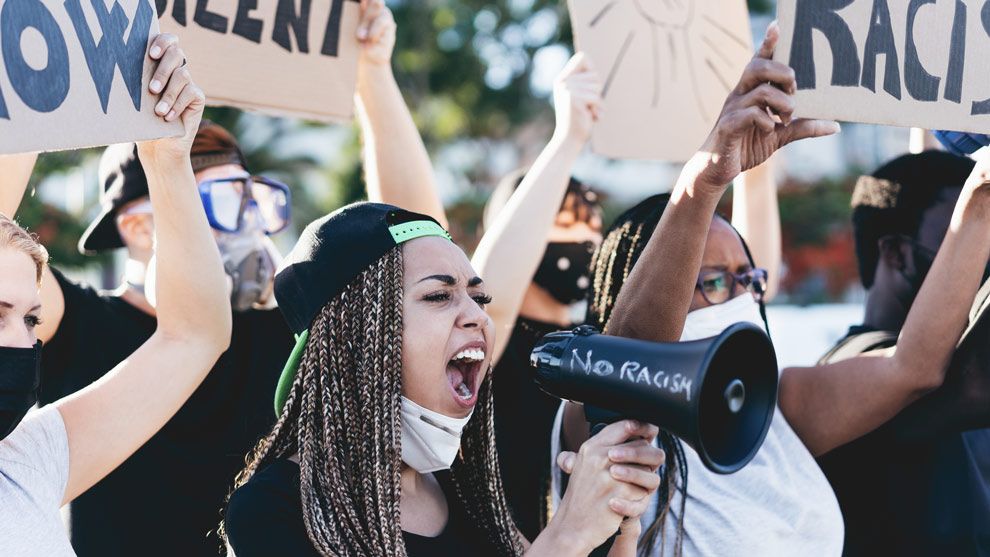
x=20, y=380
x=564, y=270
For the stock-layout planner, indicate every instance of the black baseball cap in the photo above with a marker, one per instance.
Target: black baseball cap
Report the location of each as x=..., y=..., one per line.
x=330, y=252
x=123, y=181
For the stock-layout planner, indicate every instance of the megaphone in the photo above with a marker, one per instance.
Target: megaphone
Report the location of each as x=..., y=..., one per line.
x=717, y=394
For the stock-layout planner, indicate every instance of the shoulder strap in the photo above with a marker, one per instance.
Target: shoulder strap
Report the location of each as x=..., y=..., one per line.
x=856, y=344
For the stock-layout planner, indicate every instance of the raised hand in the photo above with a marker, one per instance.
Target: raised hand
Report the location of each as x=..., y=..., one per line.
x=757, y=119
x=577, y=99
x=376, y=33
x=179, y=97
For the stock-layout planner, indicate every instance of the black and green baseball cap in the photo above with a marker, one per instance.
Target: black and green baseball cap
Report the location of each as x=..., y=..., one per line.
x=330, y=253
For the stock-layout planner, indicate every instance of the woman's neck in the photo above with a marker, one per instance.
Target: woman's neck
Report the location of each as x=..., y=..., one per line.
x=423, y=507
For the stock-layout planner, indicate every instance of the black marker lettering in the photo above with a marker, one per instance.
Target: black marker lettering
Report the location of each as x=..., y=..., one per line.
x=957, y=55
x=286, y=17
x=820, y=14
x=42, y=90
x=112, y=51
x=880, y=40
x=208, y=19
x=331, y=38
x=245, y=25
x=179, y=12
x=920, y=84
x=983, y=107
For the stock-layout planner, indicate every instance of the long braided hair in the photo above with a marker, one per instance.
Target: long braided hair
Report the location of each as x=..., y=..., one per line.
x=342, y=417
x=610, y=266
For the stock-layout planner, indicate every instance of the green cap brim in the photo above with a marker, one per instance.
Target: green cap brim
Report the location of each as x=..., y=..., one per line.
x=289, y=372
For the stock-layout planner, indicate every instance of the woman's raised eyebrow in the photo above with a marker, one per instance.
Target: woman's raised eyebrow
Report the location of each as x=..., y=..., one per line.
x=446, y=279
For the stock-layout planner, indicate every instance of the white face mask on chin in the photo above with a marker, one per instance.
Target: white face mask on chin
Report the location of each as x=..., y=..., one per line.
x=712, y=320
x=430, y=440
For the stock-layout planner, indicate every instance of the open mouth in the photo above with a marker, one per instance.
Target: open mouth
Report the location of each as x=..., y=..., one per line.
x=462, y=374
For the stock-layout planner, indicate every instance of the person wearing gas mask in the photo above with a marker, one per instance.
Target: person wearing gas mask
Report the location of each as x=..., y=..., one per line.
x=919, y=485
x=181, y=478
x=536, y=253
x=693, y=278
x=50, y=456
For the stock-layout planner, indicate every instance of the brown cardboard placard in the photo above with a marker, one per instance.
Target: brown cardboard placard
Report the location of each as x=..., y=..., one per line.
x=921, y=63
x=294, y=58
x=667, y=67
x=75, y=74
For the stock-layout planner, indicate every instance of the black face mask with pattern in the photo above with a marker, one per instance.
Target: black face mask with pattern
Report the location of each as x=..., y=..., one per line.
x=564, y=270
x=20, y=382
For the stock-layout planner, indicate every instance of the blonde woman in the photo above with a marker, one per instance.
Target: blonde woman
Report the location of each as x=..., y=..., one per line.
x=54, y=454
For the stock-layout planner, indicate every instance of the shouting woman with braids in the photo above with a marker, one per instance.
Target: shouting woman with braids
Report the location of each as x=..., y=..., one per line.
x=389, y=387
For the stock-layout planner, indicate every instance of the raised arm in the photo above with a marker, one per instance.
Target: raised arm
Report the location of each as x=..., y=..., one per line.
x=107, y=421
x=15, y=172
x=744, y=137
x=756, y=216
x=396, y=165
x=511, y=249
x=828, y=406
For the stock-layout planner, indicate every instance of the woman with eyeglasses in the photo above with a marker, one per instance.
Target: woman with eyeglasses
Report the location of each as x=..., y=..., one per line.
x=669, y=270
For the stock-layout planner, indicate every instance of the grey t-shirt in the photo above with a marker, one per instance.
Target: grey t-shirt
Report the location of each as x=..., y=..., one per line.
x=34, y=468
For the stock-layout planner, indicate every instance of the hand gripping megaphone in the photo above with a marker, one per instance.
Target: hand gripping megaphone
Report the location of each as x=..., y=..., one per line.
x=717, y=394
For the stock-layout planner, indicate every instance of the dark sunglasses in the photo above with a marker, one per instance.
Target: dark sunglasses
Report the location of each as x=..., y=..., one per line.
x=717, y=287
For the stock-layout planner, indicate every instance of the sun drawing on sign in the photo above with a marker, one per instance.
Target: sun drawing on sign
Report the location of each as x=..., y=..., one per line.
x=688, y=48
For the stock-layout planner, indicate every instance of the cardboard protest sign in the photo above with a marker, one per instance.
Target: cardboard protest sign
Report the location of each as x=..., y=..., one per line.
x=667, y=68
x=281, y=57
x=916, y=63
x=75, y=73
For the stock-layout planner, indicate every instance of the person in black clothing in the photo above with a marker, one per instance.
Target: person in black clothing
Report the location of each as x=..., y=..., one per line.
x=167, y=498
x=921, y=484
x=389, y=387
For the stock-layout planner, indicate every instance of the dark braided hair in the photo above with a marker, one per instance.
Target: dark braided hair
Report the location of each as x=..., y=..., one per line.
x=342, y=417
x=610, y=266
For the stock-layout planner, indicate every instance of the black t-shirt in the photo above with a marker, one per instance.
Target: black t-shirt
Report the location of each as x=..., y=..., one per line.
x=264, y=519
x=928, y=497
x=524, y=417
x=166, y=498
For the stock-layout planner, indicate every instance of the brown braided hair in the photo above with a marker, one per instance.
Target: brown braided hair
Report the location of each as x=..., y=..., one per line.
x=342, y=417
x=610, y=267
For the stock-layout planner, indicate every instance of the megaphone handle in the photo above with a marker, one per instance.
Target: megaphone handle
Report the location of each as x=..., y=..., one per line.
x=602, y=550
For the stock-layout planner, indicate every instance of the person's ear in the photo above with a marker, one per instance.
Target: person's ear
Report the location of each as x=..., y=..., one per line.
x=137, y=230
x=896, y=253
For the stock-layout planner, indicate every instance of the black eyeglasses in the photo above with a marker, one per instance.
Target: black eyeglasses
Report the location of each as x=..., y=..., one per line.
x=717, y=286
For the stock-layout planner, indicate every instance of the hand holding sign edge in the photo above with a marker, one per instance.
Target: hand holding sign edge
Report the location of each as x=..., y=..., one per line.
x=180, y=98
x=756, y=120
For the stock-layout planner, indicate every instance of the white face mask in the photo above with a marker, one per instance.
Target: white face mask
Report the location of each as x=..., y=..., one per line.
x=430, y=441
x=712, y=320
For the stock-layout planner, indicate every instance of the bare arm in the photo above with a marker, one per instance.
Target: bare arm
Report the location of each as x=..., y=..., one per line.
x=397, y=167
x=15, y=172
x=744, y=137
x=107, y=421
x=828, y=406
x=756, y=216
x=511, y=249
